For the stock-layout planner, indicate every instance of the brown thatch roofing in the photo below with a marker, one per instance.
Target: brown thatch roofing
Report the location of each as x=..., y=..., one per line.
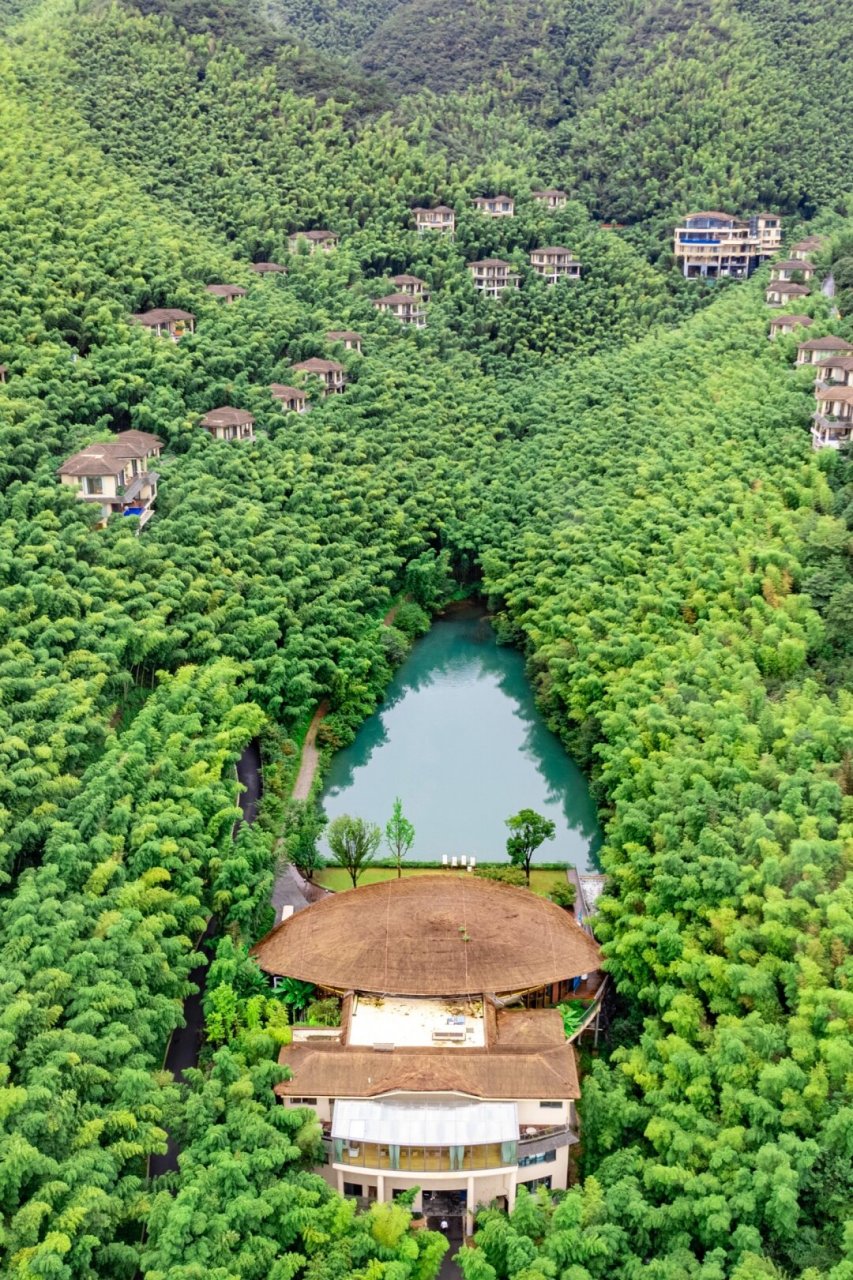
x=547, y=191
x=489, y=262
x=810, y=242
x=551, y=248
x=788, y=288
x=405, y=278
x=317, y=236
x=225, y=290
x=430, y=935
x=343, y=335
x=227, y=416
x=336, y=1071
x=844, y=363
x=263, y=267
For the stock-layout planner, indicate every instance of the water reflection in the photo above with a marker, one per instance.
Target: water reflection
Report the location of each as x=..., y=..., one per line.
x=459, y=738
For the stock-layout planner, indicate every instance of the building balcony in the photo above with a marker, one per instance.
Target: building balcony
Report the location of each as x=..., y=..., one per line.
x=831, y=433
x=399, y=1159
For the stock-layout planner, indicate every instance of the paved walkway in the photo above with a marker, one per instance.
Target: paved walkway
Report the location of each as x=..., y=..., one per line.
x=310, y=755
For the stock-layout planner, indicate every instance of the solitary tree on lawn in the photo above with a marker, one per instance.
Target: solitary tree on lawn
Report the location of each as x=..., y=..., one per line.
x=528, y=829
x=353, y=843
x=399, y=835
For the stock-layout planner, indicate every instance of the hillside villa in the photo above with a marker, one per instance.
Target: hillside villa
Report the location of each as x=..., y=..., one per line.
x=781, y=292
x=833, y=421
x=787, y=324
x=787, y=268
x=408, y=308
x=496, y=206
x=312, y=241
x=804, y=249
x=115, y=475
x=493, y=276
x=227, y=292
x=713, y=244
x=293, y=399
x=551, y=197
x=555, y=263
x=166, y=322
x=835, y=370
x=441, y=218
x=229, y=423
x=267, y=268
x=414, y=285
x=814, y=350
x=331, y=374
x=451, y=1069
x=348, y=338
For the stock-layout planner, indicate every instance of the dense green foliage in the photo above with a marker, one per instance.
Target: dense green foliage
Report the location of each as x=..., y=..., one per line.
x=623, y=465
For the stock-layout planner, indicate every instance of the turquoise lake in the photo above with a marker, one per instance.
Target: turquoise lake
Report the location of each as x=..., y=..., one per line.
x=460, y=740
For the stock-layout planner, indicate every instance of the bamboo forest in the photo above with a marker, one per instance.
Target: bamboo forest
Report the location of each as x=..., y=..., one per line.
x=618, y=461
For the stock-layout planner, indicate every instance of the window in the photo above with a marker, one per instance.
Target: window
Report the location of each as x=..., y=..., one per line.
x=93, y=484
x=303, y=1102
x=556, y=1106
x=542, y=1157
x=353, y=1189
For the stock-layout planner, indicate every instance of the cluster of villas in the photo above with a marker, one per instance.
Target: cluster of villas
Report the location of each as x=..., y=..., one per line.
x=831, y=359
x=442, y=218
x=451, y=1069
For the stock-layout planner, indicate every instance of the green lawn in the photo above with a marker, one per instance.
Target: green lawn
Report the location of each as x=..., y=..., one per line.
x=336, y=878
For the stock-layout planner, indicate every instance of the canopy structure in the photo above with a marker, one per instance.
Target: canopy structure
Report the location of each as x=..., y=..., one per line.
x=425, y=1124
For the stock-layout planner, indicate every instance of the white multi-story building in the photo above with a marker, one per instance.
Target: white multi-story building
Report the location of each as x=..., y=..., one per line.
x=451, y=1069
x=713, y=244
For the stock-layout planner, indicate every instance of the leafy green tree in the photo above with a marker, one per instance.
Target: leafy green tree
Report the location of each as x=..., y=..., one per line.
x=528, y=831
x=399, y=835
x=353, y=843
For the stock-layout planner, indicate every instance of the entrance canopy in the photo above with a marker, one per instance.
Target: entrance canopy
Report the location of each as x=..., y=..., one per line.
x=424, y=1124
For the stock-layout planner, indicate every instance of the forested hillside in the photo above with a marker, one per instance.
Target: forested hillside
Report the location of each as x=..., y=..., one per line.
x=621, y=463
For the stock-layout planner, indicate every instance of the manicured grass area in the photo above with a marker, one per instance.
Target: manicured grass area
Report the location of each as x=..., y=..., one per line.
x=541, y=882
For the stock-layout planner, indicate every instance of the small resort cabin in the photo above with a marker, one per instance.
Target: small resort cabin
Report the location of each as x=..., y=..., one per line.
x=293, y=399
x=551, y=197
x=267, y=268
x=781, y=292
x=555, y=263
x=814, y=350
x=441, y=218
x=406, y=307
x=331, y=374
x=787, y=324
x=348, y=338
x=496, y=206
x=115, y=475
x=493, y=276
x=804, y=249
x=166, y=322
x=227, y=292
x=229, y=423
x=833, y=371
x=832, y=427
x=787, y=268
x=312, y=241
x=414, y=285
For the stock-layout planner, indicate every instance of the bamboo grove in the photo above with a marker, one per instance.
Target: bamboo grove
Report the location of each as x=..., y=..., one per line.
x=623, y=466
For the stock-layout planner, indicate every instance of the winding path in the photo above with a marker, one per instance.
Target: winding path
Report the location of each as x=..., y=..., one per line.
x=310, y=754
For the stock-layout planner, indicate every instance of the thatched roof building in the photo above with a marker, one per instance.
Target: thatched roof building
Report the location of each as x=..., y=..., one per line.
x=431, y=935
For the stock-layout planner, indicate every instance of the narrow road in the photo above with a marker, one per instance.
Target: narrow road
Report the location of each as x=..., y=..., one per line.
x=310, y=755
x=184, y=1046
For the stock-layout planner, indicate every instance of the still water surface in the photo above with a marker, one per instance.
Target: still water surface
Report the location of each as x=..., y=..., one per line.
x=460, y=740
